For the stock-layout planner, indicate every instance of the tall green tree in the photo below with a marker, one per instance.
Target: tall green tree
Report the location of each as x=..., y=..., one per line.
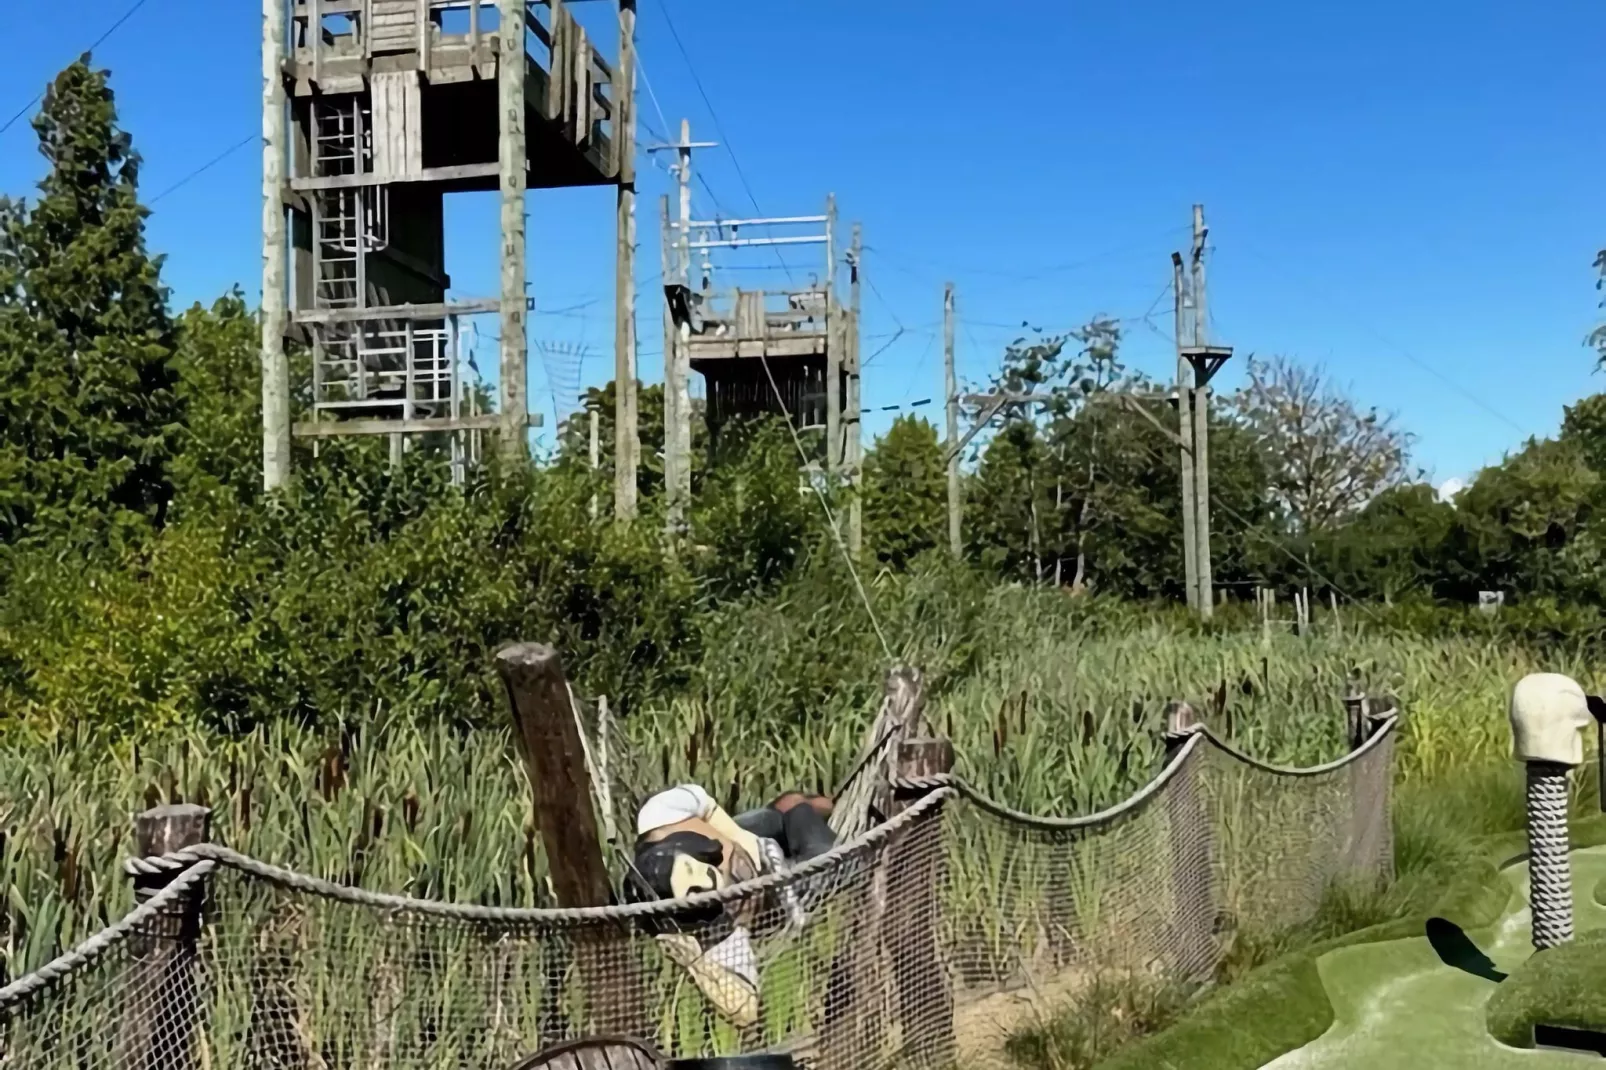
x=88, y=406
x=1583, y=423
x=905, y=492
x=1530, y=526
x=1396, y=546
x=219, y=366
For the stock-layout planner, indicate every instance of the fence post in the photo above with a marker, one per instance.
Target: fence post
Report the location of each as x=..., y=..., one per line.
x=917, y=876
x=548, y=739
x=889, y=950
x=159, y=1000
x=1370, y=850
x=1192, y=879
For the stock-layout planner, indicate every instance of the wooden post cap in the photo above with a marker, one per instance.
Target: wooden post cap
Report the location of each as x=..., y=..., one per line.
x=172, y=827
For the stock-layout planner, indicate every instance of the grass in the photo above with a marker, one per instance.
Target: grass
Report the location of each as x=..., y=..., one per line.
x=1562, y=986
x=1452, y=840
x=1047, y=717
x=1051, y=712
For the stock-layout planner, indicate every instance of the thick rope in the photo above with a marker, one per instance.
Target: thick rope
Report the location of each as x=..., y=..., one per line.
x=1549, y=868
x=1547, y=824
x=1196, y=734
x=115, y=933
x=1103, y=817
x=1383, y=730
x=562, y=916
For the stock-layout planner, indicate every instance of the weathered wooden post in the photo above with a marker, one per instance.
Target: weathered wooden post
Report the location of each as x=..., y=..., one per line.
x=917, y=873
x=160, y=1001
x=1369, y=851
x=1597, y=710
x=548, y=740
x=1356, y=715
x=1192, y=836
x=888, y=965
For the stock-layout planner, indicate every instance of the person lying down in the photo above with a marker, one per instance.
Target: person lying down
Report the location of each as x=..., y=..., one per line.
x=686, y=843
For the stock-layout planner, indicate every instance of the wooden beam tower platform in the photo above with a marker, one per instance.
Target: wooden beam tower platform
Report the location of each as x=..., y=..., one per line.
x=373, y=112
x=792, y=352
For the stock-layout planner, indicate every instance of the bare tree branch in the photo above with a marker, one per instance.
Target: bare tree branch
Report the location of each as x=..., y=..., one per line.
x=1330, y=458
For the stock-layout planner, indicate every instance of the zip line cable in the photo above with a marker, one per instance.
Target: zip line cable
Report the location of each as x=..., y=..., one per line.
x=207, y=166
x=1447, y=380
x=831, y=521
x=718, y=129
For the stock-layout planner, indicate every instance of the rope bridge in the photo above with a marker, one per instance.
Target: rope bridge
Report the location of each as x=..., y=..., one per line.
x=924, y=940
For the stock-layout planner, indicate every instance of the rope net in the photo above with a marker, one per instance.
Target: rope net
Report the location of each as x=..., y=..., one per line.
x=934, y=940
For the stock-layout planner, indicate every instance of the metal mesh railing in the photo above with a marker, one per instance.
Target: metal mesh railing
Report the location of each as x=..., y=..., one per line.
x=927, y=941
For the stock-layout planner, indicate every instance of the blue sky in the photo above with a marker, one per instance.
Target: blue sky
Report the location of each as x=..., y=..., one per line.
x=1400, y=192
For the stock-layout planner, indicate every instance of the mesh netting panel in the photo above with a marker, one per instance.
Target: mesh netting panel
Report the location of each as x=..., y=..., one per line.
x=135, y=1004
x=1035, y=913
x=931, y=943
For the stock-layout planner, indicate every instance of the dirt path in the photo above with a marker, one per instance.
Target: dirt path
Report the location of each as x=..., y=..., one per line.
x=981, y=1026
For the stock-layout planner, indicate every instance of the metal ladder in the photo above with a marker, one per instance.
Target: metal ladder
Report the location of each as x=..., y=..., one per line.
x=347, y=225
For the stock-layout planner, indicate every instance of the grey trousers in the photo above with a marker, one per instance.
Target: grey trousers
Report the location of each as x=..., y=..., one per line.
x=801, y=831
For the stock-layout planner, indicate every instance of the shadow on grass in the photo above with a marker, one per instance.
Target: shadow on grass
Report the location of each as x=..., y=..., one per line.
x=1456, y=950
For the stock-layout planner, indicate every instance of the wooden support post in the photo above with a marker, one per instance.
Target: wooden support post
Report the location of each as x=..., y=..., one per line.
x=1369, y=843
x=1201, y=425
x=160, y=1004
x=627, y=436
x=917, y=867
x=275, y=249
x=1190, y=540
x=549, y=744
x=548, y=740
x=512, y=153
x=1192, y=836
x=1356, y=716
x=1597, y=709
x=891, y=946
x=833, y=348
x=956, y=540
x=854, y=416
x=674, y=460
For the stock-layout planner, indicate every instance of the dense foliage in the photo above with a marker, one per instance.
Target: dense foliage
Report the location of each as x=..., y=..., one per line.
x=146, y=580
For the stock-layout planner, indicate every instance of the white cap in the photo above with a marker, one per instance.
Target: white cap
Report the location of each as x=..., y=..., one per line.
x=672, y=806
x=1548, y=715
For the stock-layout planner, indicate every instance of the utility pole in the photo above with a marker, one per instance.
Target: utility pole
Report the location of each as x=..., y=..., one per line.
x=1201, y=426
x=956, y=543
x=1194, y=348
x=674, y=502
x=855, y=437
x=1190, y=545
x=677, y=342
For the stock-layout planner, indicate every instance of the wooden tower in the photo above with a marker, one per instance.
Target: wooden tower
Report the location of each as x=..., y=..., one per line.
x=791, y=352
x=373, y=112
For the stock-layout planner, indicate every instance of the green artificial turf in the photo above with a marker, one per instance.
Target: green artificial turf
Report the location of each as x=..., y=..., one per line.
x=1288, y=1004
x=1563, y=986
x=1399, y=1006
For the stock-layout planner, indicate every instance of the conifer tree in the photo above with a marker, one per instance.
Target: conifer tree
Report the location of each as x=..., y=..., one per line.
x=88, y=407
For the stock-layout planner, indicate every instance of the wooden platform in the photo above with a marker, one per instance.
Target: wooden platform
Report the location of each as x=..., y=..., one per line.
x=569, y=96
